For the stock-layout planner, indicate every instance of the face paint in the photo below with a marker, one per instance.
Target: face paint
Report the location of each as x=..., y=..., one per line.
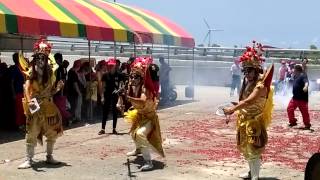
x=135, y=79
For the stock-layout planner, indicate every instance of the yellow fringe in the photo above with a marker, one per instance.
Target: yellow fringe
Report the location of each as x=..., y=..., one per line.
x=24, y=64
x=131, y=116
x=268, y=108
x=54, y=66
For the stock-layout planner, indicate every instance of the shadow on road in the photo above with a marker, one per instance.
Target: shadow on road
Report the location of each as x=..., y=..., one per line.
x=118, y=134
x=140, y=162
x=41, y=165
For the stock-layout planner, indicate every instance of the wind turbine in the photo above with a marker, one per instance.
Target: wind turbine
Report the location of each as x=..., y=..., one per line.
x=208, y=35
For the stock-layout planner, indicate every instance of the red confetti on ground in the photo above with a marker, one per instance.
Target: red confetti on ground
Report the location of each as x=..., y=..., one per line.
x=214, y=140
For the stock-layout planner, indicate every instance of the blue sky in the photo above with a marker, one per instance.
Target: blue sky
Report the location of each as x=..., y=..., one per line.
x=281, y=23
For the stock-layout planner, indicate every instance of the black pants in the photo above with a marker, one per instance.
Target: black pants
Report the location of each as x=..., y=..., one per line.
x=164, y=89
x=73, y=105
x=110, y=103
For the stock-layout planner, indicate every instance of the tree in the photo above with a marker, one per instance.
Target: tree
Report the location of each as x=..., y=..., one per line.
x=312, y=46
x=215, y=45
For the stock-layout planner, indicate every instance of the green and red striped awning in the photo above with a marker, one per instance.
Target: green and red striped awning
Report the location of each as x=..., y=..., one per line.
x=91, y=19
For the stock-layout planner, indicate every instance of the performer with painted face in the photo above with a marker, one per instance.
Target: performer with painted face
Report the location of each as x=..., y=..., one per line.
x=254, y=109
x=145, y=129
x=43, y=117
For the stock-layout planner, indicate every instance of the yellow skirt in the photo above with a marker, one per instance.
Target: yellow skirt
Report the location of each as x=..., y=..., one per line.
x=137, y=120
x=252, y=136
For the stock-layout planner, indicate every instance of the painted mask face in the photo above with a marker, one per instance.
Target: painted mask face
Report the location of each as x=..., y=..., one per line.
x=249, y=73
x=135, y=79
x=40, y=62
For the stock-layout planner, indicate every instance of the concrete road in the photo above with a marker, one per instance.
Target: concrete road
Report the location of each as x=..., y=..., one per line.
x=198, y=145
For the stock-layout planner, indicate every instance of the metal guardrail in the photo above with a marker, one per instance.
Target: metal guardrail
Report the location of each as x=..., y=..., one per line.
x=125, y=48
x=80, y=47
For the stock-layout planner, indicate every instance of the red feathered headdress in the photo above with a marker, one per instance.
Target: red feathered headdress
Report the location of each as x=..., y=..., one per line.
x=42, y=46
x=141, y=66
x=111, y=62
x=252, y=57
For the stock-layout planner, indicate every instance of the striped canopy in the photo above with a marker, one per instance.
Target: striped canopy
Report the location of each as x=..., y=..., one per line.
x=91, y=19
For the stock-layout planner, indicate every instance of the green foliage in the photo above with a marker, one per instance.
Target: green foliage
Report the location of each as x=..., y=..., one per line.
x=312, y=46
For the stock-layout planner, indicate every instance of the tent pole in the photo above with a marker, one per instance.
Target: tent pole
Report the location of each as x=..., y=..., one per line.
x=168, y=54
x=134, y=45
x=193, y=71
x=114, y=49
x=21, y=41
x=89, y=46
x=134, y=49
x=152, y=49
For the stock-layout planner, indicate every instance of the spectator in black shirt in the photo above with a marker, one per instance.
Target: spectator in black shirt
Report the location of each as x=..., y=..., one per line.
x=61, y=73
x=164, y=78
x=300, y=98
x=74, y=94
x=59, y=98
x=17, y=78
x=6, y=98
x=111, y=81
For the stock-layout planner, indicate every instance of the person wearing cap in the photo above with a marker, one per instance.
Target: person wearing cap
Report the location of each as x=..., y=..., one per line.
x=60, y=98
x=304, y=65
x=283, y=70
x=43, y=116
x=111, y=83
x=254, y=109
x=129, y=62
x=236, y=77
x=74, y=94
x=164, y=78
x=290, y=75
x=300, y=98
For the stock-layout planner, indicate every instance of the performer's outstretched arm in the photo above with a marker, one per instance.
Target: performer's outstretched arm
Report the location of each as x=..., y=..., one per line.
x=257, y=92
x=141, y=99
